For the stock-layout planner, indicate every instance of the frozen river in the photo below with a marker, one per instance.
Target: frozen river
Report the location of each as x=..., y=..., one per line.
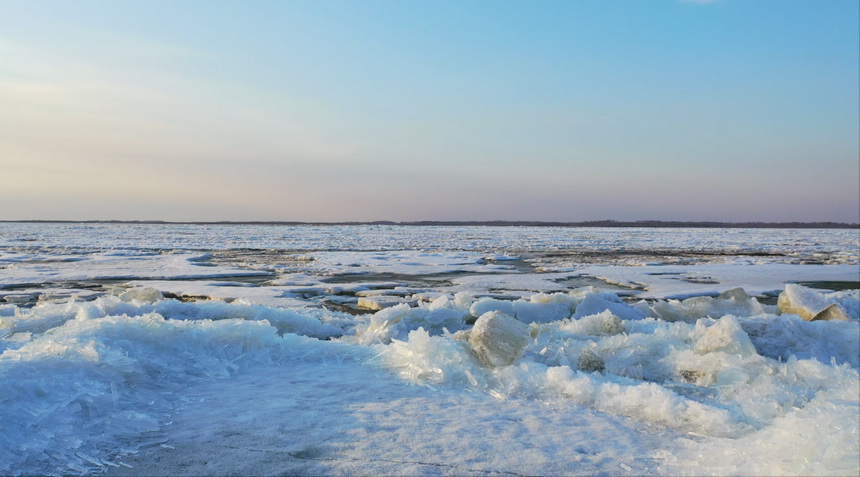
x=146, y=349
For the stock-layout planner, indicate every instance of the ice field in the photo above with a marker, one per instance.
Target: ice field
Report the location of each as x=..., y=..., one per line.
x=141, y=349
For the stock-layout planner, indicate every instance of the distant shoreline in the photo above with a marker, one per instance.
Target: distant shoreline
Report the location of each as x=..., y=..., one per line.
x=484, y=223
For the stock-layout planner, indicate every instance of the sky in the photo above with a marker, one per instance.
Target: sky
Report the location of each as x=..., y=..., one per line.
x=321, y=110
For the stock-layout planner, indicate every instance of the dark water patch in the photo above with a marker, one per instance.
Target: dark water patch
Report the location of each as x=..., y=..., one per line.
x=256, y=279
x=186, y=298
x=518, y=265
x=579, y=281
x=701, y=280
x=29, y=294
x=91, y=284
x=659, y=256
x=832, y=285
x=421, y=281
x=21, y=299
x=283, y=261
x=344, y=306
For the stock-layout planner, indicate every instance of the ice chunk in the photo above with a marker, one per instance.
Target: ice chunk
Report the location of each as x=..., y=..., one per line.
x=444, y=317
x=786, y=336
x=730, y=302
x=20, y=298
x=849, y=300
x=441, y=302
x=379, y=302
x=611, y=324
x=594, y=304
x=287, y=321
x=381, y=324
x=590, y=362
x=832, y=312
x=735, y=294
x=143, y=295
x=541, y=312
x=808, y=304
x=604, y=323
x=727, y=336
x=487, y=304
x=540, y=308
x=498, y=339
x=463, y=300
x=567, y=299
x=397, y=321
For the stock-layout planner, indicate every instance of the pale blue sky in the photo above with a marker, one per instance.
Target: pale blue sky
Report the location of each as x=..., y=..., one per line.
x=318, y=110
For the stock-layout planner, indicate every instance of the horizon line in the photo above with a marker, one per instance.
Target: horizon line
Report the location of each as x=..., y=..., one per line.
x=493, y=223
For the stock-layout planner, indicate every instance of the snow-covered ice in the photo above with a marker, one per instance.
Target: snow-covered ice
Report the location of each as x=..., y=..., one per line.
x=189, y=350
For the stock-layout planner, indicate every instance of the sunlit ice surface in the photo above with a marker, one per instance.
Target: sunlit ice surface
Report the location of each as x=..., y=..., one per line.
x=143, y=349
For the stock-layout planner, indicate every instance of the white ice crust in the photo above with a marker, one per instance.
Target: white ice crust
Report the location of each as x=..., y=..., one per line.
x=485, y=367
